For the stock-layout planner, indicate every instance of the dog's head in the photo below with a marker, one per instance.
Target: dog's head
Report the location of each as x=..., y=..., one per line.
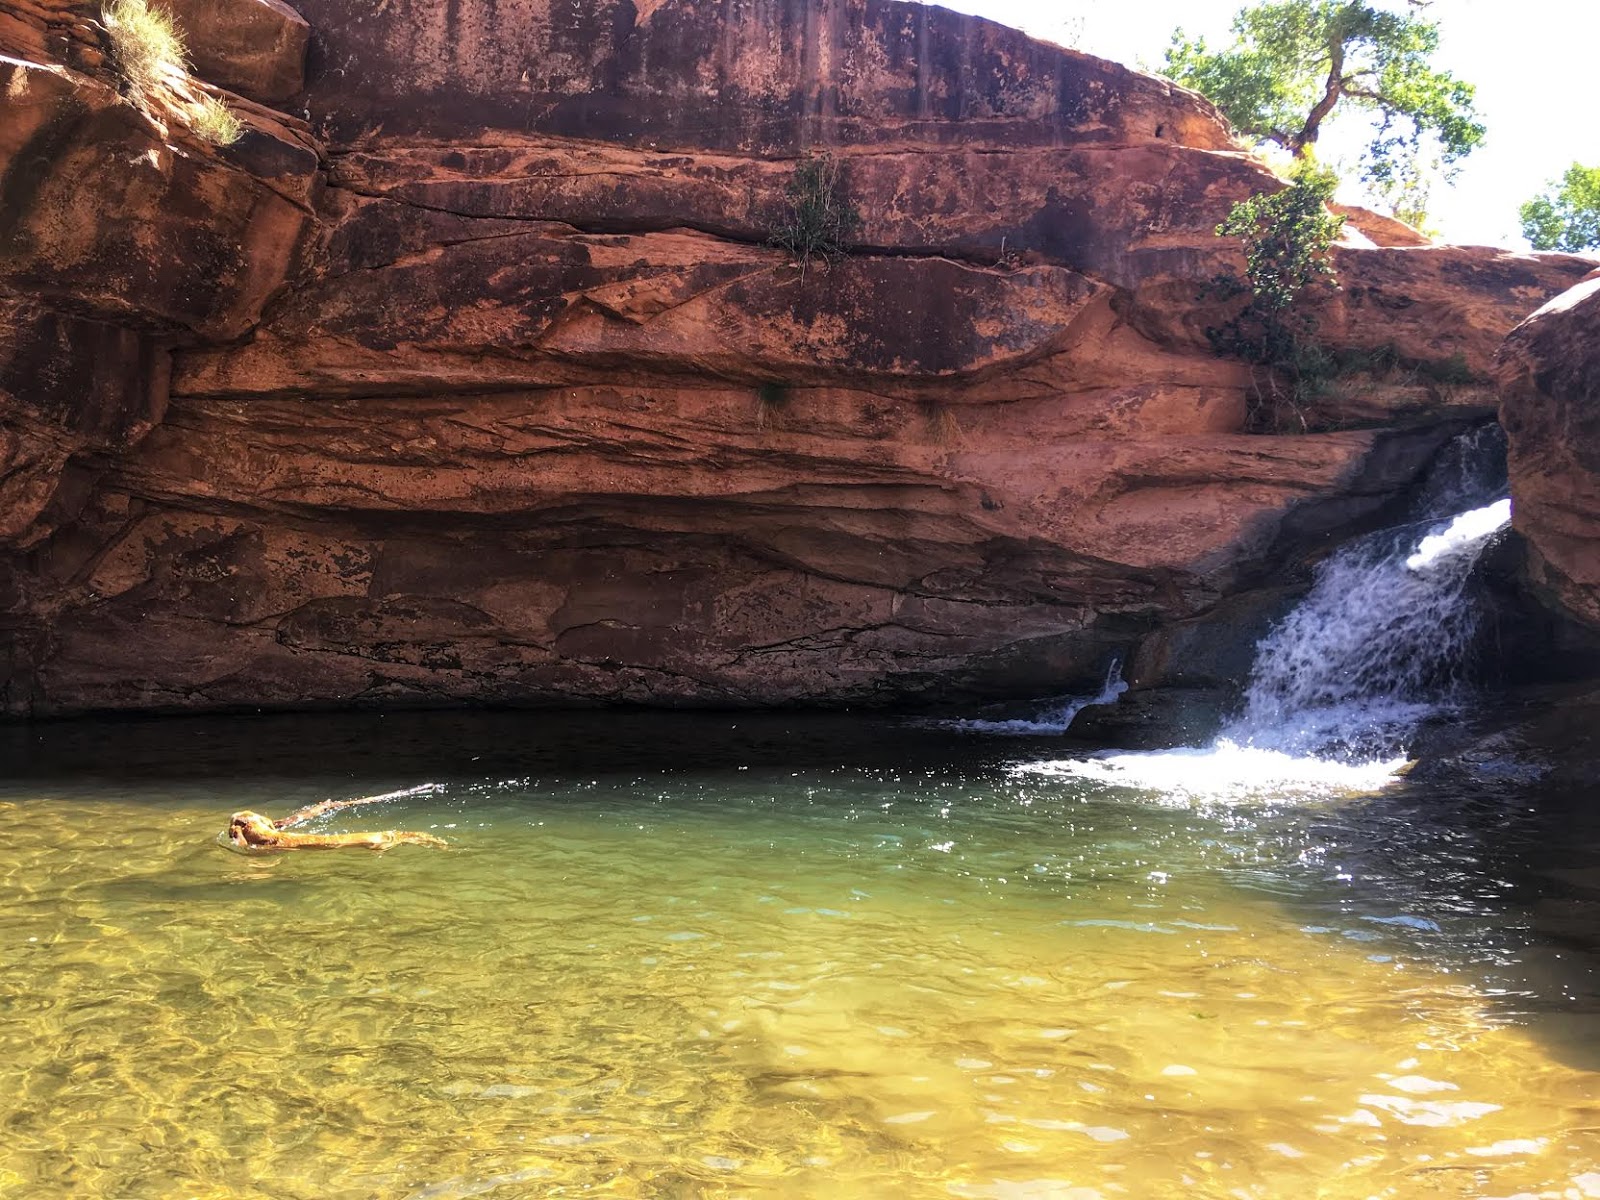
x=250, y=829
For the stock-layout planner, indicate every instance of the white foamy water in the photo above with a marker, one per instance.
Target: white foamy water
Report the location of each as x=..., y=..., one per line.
x=1226, y=770
x=1051, y=720
x=1464, y=535
x=1375, y=648
x=1342, y=683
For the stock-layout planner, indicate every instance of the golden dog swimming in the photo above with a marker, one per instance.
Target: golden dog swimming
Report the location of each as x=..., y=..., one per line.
x=252, y=831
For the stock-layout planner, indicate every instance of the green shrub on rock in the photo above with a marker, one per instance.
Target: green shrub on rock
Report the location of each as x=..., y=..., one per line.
x=1287, y=239
x=820, y=218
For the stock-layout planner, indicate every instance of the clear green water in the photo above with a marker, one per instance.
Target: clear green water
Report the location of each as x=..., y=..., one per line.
x=714, y=956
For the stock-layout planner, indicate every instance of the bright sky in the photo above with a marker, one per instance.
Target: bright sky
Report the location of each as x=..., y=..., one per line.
x=1534, y=61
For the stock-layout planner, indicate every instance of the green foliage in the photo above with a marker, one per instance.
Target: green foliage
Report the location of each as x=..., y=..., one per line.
x=1567, y=216
x=820, y=219
x=1322, y=367
x=1293, y=63
x=1452, y=371
x=1287, y=239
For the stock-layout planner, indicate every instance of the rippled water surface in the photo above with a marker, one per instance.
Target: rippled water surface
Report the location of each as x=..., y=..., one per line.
x=719, y=956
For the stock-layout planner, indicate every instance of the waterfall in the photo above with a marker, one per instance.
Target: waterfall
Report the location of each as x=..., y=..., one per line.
x=1382, y=640
x=1377, y=646
x=1053, y=717
x=1341, y=685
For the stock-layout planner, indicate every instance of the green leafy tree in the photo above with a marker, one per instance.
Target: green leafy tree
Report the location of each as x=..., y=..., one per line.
x=1567, y=216
x=1287, y=238
x=1294, y=63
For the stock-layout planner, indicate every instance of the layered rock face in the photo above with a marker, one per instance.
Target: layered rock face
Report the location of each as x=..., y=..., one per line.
x=510, y=398
x=1550, y=375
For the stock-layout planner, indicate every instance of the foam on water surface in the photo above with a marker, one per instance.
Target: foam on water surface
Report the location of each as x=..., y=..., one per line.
x=1226, y=771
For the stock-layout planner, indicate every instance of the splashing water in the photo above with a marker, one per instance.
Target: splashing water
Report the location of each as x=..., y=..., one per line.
x=1465, y=532
x=1224, y=770
x=1051, y=720
x=1376, y=648
x=1339, y=687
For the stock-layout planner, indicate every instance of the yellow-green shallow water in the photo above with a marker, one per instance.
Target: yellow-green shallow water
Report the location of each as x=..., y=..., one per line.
x=675, y=958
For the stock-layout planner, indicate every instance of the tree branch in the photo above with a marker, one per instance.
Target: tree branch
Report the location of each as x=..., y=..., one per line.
x=1330, y=97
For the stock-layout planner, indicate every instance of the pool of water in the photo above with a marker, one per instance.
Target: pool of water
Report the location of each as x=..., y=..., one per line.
x=731, y=956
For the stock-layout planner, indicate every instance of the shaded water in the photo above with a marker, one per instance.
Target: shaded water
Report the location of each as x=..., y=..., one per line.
x=727, y=956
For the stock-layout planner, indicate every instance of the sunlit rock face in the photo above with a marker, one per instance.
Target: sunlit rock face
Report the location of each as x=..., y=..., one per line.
x=507, y=397
x=1550, y=374
x=122, y=234
x=256, y=48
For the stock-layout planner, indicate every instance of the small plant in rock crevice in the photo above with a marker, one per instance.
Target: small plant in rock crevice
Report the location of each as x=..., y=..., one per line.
x=145, y=44
x=148, y=49
x=772, y=398
x=820, y=219
x=942, y=426
x=214, y=122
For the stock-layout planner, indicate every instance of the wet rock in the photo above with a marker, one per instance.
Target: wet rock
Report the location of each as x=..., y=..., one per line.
x=1549, y=734
x=1161, y=718
x=1214, y=651
x=1526, y=639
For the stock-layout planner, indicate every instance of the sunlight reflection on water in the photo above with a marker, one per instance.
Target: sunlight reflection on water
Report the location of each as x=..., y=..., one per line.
x=914, y=976
x=1225, y=771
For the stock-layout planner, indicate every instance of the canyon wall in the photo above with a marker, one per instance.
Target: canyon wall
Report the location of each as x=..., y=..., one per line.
x=1550, y=375
x=479, y=379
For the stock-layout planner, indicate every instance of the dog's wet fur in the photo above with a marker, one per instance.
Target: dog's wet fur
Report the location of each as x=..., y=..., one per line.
x=252, y=831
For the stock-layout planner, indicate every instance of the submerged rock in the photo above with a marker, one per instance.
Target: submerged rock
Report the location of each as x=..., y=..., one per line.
x=1545, y=733
x=1159, y=718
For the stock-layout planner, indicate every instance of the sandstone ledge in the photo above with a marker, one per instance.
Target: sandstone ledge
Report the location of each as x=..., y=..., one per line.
x=495, y=392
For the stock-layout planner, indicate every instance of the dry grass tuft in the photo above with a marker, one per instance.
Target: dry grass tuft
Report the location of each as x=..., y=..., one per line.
x=772, y=399
x=149, y=51
x=146, y=44
x=214, y=122
x=943, y=428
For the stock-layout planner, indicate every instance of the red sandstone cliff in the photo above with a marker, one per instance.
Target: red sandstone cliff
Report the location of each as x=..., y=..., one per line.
x=483, y=384
x=1550, y=375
